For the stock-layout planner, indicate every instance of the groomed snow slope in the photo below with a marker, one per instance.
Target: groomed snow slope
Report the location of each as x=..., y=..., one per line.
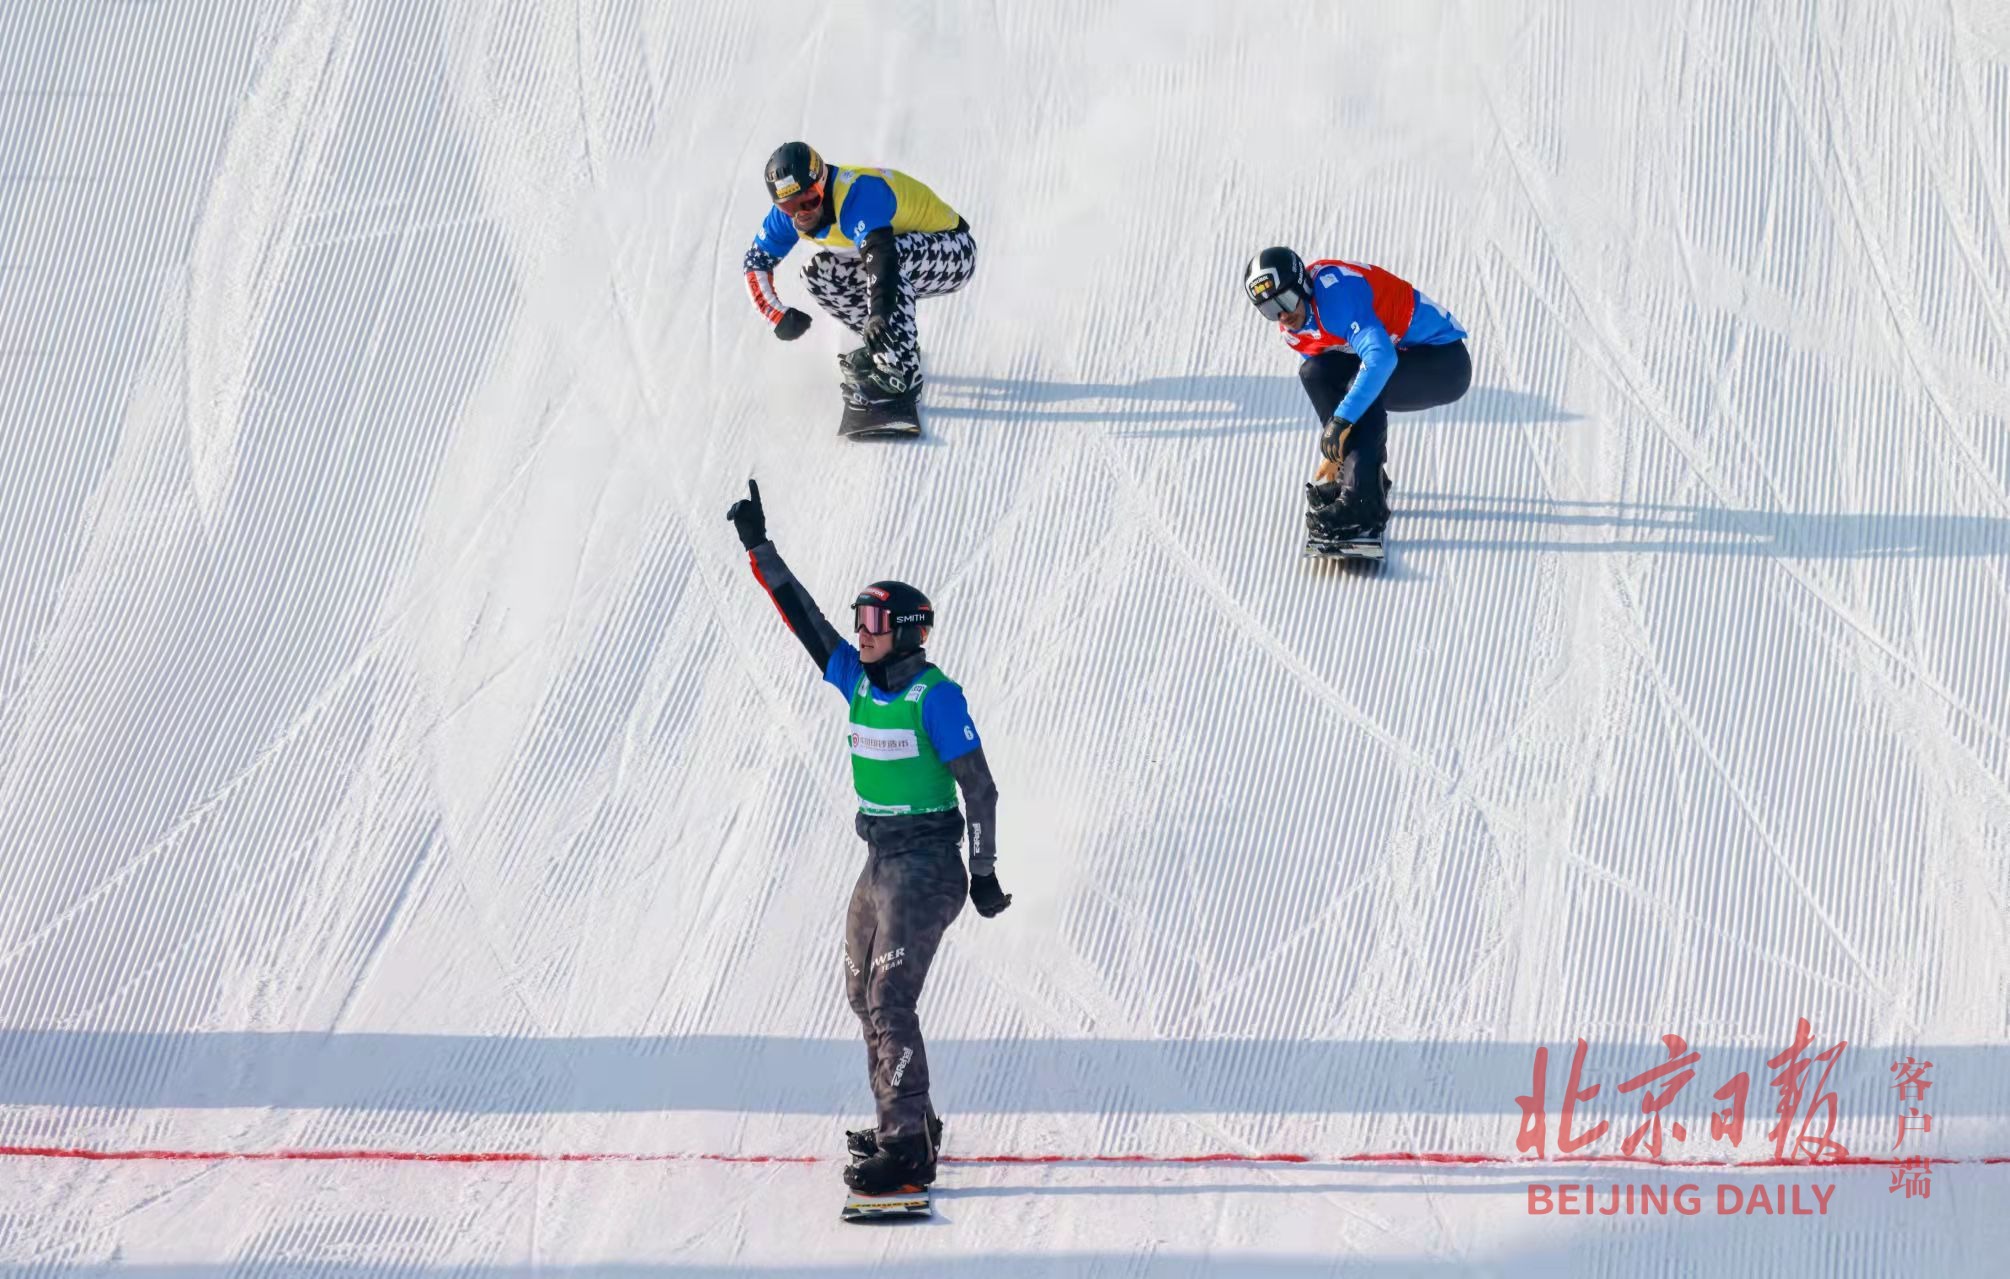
x=396, y=754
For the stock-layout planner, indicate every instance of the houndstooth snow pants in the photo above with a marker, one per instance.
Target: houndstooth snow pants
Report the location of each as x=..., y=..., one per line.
x=931, y=263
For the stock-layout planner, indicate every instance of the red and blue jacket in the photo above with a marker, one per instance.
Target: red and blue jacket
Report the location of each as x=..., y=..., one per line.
x=1374, y=314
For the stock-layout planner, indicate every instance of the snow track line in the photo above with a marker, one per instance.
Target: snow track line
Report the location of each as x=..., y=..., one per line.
x=1398, y=1158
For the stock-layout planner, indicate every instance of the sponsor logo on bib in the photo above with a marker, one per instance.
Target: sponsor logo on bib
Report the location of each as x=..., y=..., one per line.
x=884, y=743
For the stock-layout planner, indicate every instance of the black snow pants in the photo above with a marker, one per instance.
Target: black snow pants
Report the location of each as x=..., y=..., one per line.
x=912, y=887
x=1425, y=378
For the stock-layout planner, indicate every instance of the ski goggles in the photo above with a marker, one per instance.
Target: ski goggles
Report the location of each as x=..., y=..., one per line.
x=1273, y=302
x=872, y=619
x=803, y=204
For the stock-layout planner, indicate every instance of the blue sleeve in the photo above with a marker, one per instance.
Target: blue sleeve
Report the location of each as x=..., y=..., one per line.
x=1347, y=309
x=946, y=717
x=777, y=234
x=1378, y=360
x=843, y=671
x=867, y=207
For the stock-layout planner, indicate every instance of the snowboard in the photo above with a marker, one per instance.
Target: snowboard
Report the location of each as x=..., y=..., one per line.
x=895, y=419
x=912, y=1203
x=895, y=1207
x=1359, y=548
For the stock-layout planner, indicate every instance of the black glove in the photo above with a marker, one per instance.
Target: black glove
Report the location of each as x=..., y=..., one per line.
x=987, y=896
x=874, y=331
x=749, y=520
x=1330, y=438
x=792, y=325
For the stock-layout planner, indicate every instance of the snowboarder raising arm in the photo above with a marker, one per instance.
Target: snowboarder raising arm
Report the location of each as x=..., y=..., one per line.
x=913, y=745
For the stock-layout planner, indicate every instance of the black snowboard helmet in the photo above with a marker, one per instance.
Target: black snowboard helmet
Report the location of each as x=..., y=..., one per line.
x=1275, y=282
x=896, y=607
x=797, y=178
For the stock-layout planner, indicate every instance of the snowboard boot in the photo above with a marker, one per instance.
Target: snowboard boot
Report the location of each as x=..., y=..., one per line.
x=1337, y=515
x=853, y=365
x=901, y=1163
x=1318, y=494
x=863, y=1143
x=869, y=381
x=1346, y=519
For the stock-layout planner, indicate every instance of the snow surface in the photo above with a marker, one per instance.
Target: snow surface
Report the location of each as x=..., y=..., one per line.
x=396, y=754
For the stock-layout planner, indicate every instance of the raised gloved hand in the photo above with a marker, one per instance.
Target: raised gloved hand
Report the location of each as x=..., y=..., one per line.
x=749, y=520
x=874, y=332
x=792, y=325
x=986, y=896
x=1333, y=436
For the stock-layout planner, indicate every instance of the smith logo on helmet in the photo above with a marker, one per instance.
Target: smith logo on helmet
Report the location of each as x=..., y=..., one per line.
x=1262, y=287
x=785, y=186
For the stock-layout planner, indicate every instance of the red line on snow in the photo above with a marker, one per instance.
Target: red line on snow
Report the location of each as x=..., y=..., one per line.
x=391, y=1156
x=1399, y=1158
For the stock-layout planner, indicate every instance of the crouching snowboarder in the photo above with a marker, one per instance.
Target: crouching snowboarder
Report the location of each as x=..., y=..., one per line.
x=887, y=240
x=1372, y=344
